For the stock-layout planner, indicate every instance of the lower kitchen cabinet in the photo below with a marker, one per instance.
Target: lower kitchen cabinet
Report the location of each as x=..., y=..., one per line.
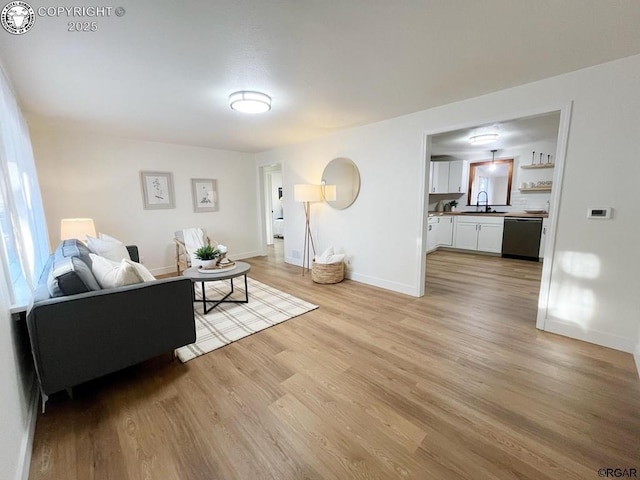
x=482, y=234
x=444, y=231
x=432, y=234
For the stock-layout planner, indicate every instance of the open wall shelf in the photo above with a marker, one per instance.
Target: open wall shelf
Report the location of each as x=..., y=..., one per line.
x=535, y=189
x=539, y=165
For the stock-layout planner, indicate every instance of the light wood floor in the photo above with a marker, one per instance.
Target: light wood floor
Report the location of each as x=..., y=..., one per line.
x=458, y=384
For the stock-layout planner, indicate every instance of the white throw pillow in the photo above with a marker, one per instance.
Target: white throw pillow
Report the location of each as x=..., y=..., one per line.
x=336, y=258
x=108, y=247
x=324, y=258
x=110, y=274
x=142, y=271
x=104, y=236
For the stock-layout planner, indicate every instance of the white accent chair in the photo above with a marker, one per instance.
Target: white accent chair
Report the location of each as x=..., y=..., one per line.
x=183, y=261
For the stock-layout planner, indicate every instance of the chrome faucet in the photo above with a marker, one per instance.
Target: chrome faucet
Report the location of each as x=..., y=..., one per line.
x=486, y=205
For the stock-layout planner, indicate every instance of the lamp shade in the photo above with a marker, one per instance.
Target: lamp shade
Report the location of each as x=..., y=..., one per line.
x=76, y=228
x=307, y=193
x=329, y=192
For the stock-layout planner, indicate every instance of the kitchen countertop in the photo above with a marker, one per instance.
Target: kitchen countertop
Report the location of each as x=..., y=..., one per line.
x=507, y=214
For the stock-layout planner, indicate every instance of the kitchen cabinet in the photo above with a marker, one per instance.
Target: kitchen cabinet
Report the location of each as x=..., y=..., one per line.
x=447, y=177
x=440, y=177
x=482, y=234
x=432, y=235
x=444, y=231
x=457, y=176
x=543, y=236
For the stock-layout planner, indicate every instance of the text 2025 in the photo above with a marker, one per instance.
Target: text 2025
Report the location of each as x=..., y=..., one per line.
x=82, y=26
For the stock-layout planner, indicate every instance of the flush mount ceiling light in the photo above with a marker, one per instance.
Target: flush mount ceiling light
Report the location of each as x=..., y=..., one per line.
x=483, y=138
x=250, y=102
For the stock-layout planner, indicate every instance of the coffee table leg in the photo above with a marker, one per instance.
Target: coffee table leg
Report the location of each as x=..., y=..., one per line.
x=215, y=303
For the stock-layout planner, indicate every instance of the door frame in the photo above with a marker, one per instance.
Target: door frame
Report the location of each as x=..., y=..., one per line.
x=565, y=110
x=265, y=203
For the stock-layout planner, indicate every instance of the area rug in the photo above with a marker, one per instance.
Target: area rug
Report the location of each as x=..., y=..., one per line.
x=229, y=322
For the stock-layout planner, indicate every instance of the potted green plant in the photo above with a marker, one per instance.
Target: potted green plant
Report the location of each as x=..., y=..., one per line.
x=453, y=204
x=208, y=256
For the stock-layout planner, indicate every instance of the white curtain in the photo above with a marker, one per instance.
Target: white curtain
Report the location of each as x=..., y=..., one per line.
x=24, y=243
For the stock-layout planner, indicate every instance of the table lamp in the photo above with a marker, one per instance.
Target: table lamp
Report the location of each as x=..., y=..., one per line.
x=77, y=228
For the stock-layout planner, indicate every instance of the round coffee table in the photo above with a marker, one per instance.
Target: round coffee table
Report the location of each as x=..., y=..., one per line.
x=241, y=269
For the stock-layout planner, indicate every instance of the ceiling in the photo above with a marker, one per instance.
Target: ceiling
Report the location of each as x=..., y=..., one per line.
x=165, y=69
x=511, y=134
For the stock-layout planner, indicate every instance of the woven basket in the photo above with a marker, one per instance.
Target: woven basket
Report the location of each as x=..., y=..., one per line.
x=327, y=273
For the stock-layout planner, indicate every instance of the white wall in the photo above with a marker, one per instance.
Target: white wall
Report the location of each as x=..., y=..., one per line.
x=17, y=377
x=594, y=281
x=93, y=175
x=372, y=221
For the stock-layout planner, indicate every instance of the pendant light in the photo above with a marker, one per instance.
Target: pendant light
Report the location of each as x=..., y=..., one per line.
x=493, y=160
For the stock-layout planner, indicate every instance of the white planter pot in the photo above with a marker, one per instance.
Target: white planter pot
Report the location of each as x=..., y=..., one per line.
x=208, y=263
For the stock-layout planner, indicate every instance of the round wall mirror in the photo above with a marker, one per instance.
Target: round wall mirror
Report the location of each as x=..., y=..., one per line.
x=344, y=174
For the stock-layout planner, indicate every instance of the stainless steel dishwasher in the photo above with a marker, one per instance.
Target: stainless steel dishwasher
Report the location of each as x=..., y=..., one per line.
x=521, y=238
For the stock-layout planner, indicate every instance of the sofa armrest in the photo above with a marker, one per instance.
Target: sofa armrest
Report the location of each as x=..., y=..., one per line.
x=80, y=337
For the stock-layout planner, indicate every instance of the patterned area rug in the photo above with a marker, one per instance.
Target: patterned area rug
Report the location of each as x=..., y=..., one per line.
x=229, y=322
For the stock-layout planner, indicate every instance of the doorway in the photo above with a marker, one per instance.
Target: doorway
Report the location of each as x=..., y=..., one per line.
x=273, y=211
x=524, y=139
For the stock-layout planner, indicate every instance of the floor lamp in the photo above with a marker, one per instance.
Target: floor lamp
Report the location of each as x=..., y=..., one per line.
x=306, y=194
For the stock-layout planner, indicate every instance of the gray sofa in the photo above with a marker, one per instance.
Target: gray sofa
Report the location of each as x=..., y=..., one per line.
x=85, y=332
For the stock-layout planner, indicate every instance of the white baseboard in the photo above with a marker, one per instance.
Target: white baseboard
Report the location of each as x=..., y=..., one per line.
x=386, y=284
x=27, y=442
x=572, y=330
x=376, y=282
x=236, y=256
x=636, y=357
x=242, y=256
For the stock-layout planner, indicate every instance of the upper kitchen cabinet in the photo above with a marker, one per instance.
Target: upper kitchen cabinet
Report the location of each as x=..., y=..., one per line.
x=440, y=177
x=457, y=171
x=447, y=177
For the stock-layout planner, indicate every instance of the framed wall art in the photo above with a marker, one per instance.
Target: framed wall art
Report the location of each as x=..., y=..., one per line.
x=157, y=190
x=205, y=194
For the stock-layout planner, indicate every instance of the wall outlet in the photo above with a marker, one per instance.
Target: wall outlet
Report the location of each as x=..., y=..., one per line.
x=296, y=254
x=348, y=260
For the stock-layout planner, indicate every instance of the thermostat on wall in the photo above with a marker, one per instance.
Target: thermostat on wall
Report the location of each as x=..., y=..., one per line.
x=599, y=212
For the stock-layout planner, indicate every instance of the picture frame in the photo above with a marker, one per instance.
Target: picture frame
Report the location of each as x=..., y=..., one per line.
x=157, y=190
x=205, y=195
